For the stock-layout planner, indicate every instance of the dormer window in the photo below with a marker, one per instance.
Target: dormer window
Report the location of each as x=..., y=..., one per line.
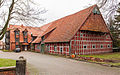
x=17, y=32
x=25, y=33
x=25, y=40
x=96, y=11
x=25, y=36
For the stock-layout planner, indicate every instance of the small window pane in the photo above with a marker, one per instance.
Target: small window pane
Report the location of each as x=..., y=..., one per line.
x=108, y=46
x=55, y=48
x=48, y=47
x=81, y=34
x=93, y=46
x=101, y=46
x=84, y=46
x=17, y=46
x=25, y=40
x=17, y=39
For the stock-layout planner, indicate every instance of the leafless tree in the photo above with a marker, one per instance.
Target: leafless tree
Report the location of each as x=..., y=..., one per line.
x=18, y=11
x=109, y=8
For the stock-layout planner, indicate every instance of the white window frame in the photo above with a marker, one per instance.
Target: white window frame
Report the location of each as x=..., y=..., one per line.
x=60, y=49
x=93, y=45
x=84, y=45
x=108, y=45
x=81, y=34
x=55, y=48
x=101, y=46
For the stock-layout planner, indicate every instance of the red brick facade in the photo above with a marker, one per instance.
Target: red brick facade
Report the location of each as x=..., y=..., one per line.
x=58, y=48
x=82, y=33
x=86, y=42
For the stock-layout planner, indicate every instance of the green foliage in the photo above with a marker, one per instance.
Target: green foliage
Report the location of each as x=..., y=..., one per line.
x=7, y=62
x=115, y=28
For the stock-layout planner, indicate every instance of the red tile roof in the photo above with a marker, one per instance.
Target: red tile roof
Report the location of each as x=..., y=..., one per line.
x=43, y=29
x=65, y=28
x=36, y=31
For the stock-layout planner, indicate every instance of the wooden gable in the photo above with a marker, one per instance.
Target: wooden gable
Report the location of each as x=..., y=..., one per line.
x=95, y=22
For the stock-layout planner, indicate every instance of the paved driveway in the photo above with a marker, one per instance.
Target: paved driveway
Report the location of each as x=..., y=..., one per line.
x=53, y=65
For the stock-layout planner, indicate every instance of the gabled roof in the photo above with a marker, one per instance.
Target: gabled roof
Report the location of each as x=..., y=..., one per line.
x=65, y=28
x=35, y=31
x=43, y=29
x=30, y=29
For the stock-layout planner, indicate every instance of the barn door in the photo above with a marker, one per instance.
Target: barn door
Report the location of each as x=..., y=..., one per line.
x=42, y=48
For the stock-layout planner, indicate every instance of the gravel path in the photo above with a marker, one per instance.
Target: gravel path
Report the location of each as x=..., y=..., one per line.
x=53, y=65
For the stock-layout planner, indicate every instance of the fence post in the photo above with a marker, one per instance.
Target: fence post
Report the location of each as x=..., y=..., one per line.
x=21, y=66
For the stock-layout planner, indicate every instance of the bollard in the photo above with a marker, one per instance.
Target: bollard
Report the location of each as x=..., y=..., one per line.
x=21, y=66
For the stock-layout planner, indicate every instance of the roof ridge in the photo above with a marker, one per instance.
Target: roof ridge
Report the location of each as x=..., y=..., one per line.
x=65, y=17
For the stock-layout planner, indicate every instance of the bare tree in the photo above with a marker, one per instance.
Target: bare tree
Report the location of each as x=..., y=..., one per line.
x=18, y=11
x=109, y=8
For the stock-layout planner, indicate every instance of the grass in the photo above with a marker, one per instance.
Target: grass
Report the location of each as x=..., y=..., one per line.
x=7, y=62
x=110, y=56
x=6, y=50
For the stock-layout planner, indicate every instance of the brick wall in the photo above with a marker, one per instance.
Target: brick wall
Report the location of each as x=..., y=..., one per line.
x=7, y=71
x=58, y=48
x=86, y=42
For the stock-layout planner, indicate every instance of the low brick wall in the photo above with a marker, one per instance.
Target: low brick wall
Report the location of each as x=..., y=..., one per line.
x=7, y=70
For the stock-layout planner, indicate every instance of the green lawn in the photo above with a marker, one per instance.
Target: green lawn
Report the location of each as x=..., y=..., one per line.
x=7, y=62
x=6, y=51
x=110, y=56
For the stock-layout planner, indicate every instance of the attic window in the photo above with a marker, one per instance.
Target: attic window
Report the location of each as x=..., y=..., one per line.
x=16, y=32
x=25, y=33
x=96, y=11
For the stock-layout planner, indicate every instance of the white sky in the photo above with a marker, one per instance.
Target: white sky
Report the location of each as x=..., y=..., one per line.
x=60, y=8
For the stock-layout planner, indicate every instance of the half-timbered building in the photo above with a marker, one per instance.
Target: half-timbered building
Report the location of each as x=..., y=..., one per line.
x=84, y=32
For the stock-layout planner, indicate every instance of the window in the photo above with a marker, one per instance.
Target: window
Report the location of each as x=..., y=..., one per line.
x=16, y=32
x=48, y=47
x=25, y=40
x=93, y=46
x=108, y=45
x=55, y=48
x=17, y=46
x=81, y=34
x=38, y=46
x=96, y=11
x=24, y=33
x=17, y=40
x=107, y=36
x=42, y=38
x=101, y=46
x=85, y=46
x=61, y=49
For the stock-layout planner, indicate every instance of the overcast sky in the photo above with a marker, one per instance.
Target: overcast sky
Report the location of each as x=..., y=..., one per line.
x=60, y=8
